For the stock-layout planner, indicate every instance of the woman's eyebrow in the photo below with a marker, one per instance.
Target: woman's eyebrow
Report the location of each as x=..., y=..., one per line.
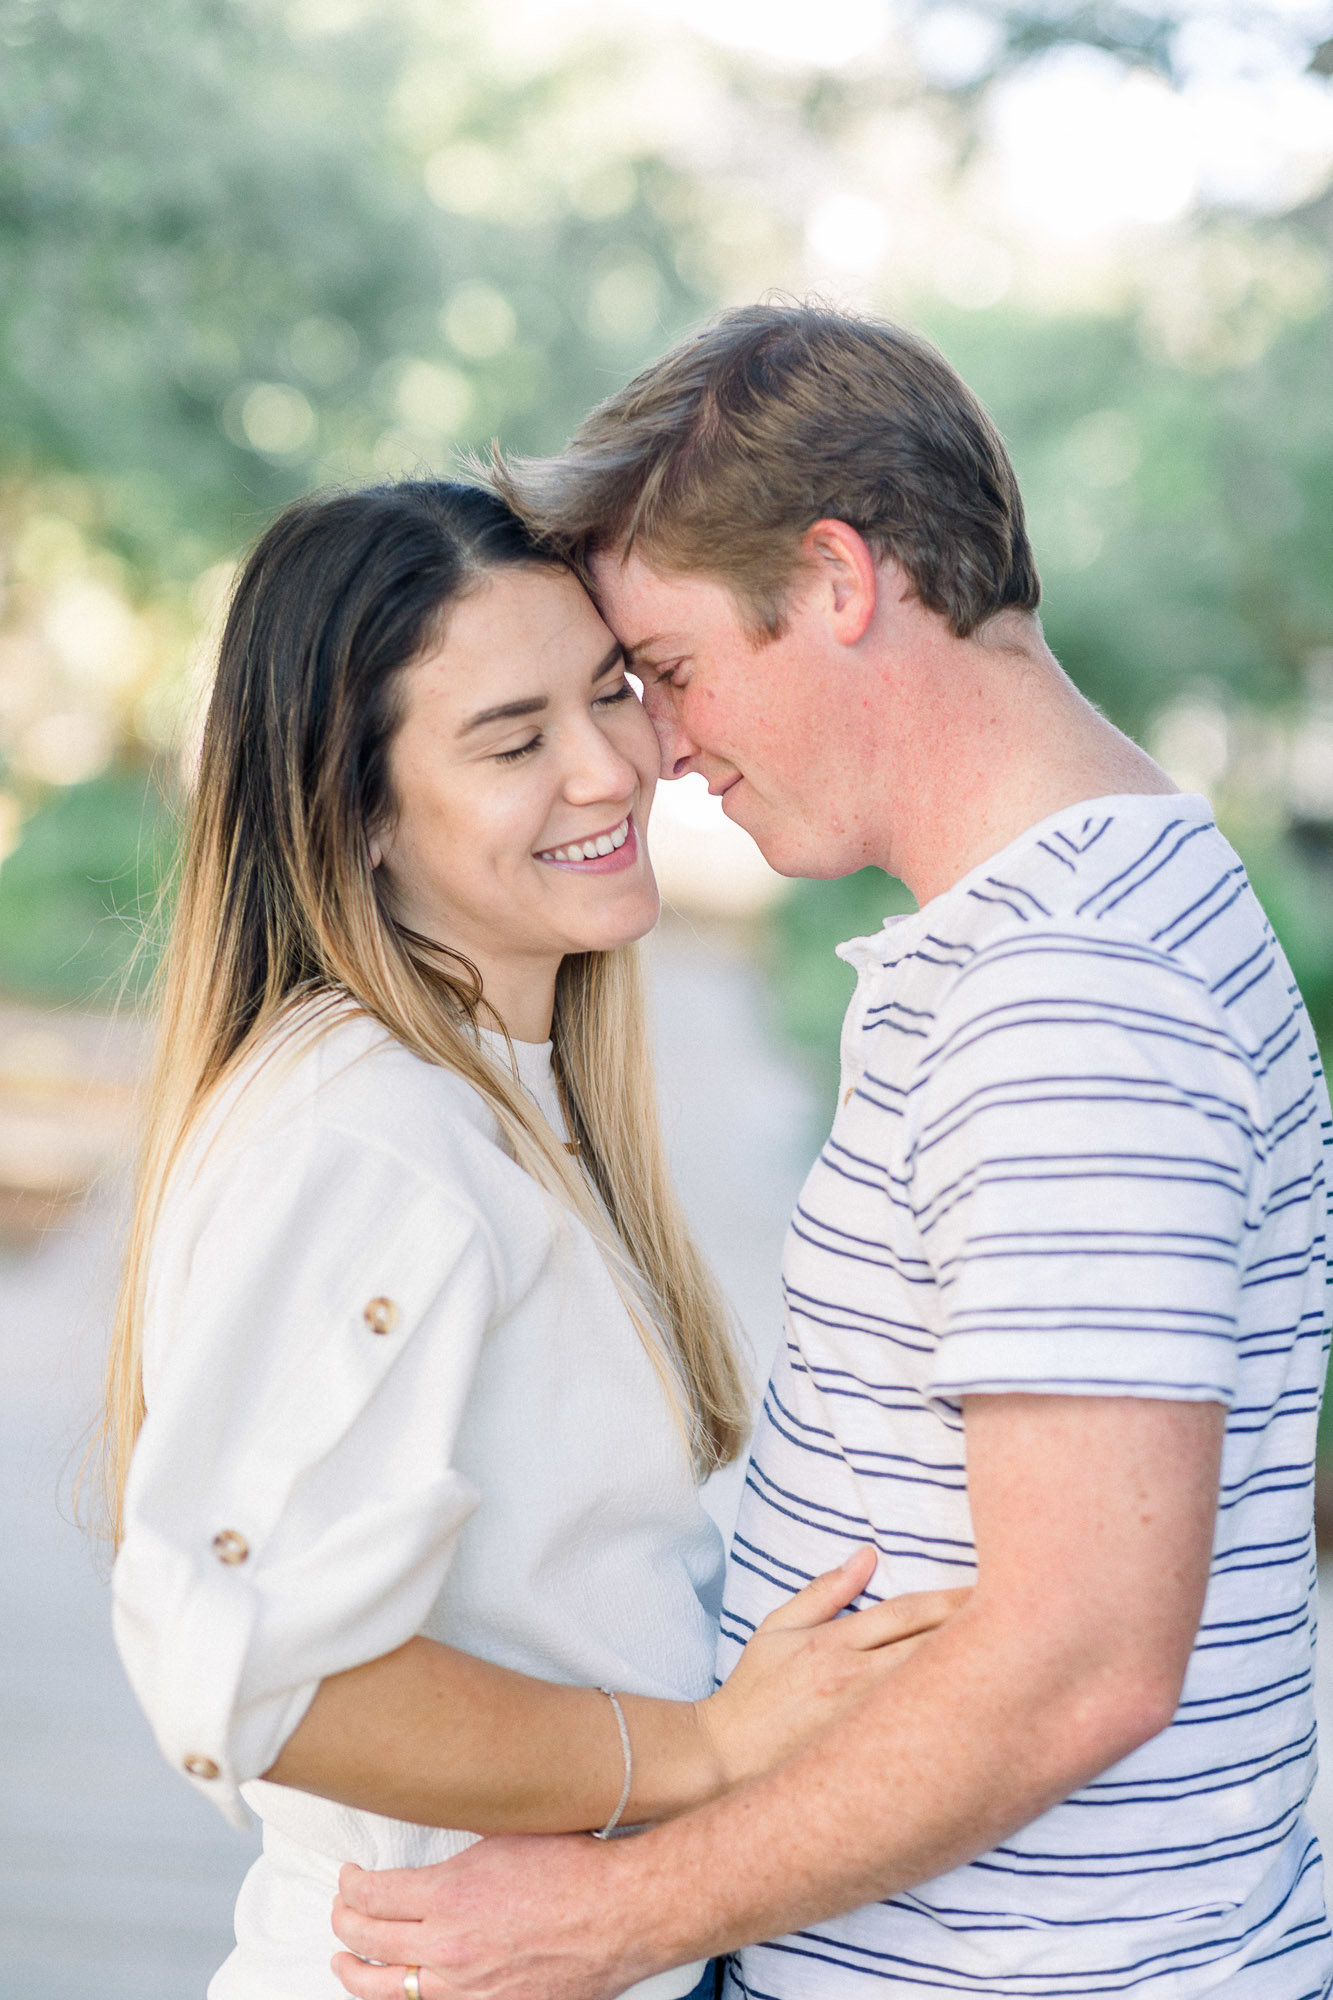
x=507, y=711
x=617, y=657
x=514, y=711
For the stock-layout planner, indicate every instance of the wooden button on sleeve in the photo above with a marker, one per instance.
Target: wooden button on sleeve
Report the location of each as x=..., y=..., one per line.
x=201, y=1767
x=381, y=1315
x=230, y=1547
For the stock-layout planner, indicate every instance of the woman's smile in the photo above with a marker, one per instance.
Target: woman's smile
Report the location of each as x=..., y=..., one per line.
x=522, y=771
x=599, y=853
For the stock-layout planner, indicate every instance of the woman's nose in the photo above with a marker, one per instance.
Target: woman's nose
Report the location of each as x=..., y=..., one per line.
x=599, y=771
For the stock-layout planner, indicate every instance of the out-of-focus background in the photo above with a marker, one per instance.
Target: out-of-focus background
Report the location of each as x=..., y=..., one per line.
x=248, y=247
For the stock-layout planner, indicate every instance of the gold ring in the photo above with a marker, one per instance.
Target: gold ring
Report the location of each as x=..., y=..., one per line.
x=412, y=1983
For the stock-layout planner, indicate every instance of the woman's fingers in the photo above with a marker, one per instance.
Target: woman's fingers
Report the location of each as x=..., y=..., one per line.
x=902, y=1617
x=827, y=1595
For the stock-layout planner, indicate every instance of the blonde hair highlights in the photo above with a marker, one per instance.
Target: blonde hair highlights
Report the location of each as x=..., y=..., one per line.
x=279, y=920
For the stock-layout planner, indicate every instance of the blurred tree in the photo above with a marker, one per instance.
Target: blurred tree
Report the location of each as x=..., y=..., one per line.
x=246, y=248
x=240, y=250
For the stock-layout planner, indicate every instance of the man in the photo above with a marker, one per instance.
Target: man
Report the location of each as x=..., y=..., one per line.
x=1056, y=1284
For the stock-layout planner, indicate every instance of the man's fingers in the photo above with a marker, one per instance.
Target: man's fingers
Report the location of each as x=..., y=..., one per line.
x=901, y=1617
x=376, y=1937
x=827, y=1595
x=397, y=1893
x=382, y=1982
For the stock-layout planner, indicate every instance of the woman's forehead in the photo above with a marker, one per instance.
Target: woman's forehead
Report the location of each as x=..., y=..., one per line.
x=519, y=634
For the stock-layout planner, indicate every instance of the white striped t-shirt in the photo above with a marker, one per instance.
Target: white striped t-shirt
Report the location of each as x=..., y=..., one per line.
x=1080, y=1149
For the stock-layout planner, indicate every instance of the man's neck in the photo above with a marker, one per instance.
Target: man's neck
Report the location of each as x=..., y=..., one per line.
x=994, y=738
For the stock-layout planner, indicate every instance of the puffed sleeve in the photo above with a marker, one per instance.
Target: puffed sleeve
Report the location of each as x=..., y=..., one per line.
x=292, y=1507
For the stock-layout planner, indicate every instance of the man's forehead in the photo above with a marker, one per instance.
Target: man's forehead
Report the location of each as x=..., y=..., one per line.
x=650, y=612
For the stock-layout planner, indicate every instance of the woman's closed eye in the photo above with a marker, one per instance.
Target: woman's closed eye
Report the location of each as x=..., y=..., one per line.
x=622, y=691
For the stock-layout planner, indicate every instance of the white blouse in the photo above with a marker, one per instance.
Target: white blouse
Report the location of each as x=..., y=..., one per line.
x=391, y=1389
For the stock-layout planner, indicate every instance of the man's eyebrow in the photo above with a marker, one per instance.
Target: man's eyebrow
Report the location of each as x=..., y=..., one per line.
x=634, y=659
x=514, y=711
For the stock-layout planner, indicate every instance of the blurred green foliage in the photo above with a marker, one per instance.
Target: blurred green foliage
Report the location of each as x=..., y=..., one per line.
x=204, y=198
x=246, y=248
x=1182, y=513
x=76, y=895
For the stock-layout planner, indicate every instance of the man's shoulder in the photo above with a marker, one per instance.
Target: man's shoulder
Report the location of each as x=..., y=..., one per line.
x=1130, y=865
x=1132, y=882
x=1121, y=915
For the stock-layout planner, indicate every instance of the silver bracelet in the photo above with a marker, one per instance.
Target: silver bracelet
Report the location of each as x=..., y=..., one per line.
x=628, y=1755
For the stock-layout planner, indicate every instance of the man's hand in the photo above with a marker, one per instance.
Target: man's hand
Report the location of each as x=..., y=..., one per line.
x=505, y=1920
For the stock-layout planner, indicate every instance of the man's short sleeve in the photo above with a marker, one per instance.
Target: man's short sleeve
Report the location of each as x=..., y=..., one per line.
x=1082, y=1160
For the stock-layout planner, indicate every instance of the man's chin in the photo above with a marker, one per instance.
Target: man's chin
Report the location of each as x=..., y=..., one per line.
x=783, y=854
x=792, y=853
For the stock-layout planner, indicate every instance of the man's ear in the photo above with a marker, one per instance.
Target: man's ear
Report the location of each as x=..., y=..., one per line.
x=844, y=574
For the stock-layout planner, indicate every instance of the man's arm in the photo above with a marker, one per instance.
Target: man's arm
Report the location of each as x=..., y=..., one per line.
x=1093, y=1521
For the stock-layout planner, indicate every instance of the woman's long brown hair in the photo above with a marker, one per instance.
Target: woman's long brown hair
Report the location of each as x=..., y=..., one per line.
x=278, y=904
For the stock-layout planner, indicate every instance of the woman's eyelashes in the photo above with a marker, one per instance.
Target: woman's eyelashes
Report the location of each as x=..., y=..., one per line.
x=623, y=692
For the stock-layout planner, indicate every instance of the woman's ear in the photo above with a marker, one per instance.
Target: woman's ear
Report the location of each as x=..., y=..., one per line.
x=376, y=850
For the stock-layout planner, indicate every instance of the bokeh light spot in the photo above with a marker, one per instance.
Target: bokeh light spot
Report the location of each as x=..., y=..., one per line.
x=478, y=322
x=271, y=418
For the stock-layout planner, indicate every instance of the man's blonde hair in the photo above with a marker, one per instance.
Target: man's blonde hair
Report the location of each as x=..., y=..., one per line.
x=716, y=459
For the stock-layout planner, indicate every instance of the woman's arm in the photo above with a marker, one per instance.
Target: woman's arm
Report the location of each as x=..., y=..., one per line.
x=435, y=1736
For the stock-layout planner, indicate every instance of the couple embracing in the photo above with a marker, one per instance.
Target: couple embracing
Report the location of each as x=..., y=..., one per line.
x=420, y=1368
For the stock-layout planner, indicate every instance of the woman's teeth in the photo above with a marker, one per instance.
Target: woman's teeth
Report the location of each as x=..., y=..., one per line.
x=588, y=850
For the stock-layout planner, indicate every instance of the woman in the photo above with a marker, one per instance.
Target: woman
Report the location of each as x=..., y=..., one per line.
x=430, y=1364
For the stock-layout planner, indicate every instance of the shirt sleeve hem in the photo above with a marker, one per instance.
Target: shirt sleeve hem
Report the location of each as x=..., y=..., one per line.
x=1184, y=1368
x=258, y=1734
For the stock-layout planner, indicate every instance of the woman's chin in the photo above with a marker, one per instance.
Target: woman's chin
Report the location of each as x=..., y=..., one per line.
x=613, y=928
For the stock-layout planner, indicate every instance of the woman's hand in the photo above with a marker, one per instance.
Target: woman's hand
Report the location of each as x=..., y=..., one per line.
x=805, y=1666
